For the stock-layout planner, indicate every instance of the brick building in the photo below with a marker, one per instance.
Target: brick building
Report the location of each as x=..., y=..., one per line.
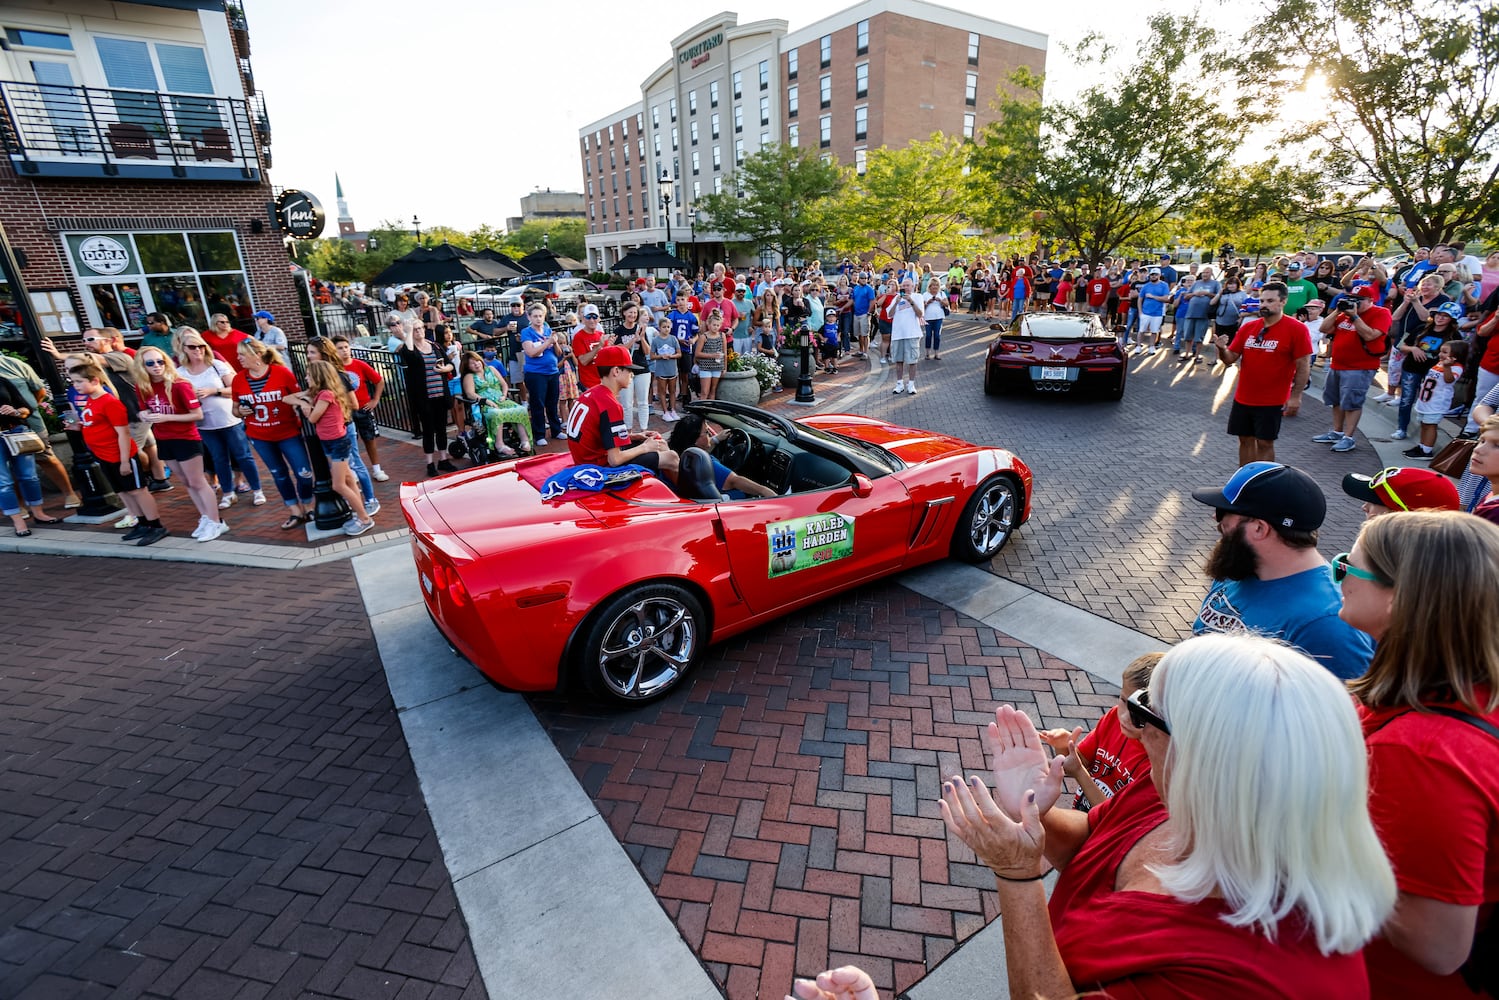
x=138, y=152
x=880, y=73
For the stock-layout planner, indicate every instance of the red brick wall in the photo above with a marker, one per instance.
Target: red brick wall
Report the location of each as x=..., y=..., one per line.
x=27, y=204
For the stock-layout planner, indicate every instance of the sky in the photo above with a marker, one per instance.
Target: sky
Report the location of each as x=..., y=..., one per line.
x=451, y=110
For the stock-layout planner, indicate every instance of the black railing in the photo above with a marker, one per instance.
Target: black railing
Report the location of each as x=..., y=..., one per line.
x=392, y=410
x=77, y=131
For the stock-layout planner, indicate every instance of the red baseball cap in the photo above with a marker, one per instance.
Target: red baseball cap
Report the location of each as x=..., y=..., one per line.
x=1364, y=292
x=615, y=356
x=1404, y=489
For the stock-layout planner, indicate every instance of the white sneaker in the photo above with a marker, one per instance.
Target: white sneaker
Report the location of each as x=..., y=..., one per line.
x=1382, y=397
x=354, y=526
x=227, y=500
x=203, y=525
x=128, y=521
x=1397, y=435
x=378, y=474
x=372, y=507
x=911, y=388
x=884, y=361
x=900, y=387
x=213, y=530
x=258, y=499
x=1152, y=351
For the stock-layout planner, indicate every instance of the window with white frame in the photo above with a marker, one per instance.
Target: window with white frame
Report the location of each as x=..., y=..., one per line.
x=825, y=90
x=738, y=81
x=971, y=90
x=791, y=64
x=655, y=116
x=764, y=111
x=793, y=135
x=825, y=130
x=717, y=157
x=973, y=48
x=861, y=37
x=713, y=124
x=793, y=101
x=692, y=132
x=861, y=80
x=738, y=151
x=713, y=94
x=825, y=51
x=861, y=161
x=738, y=118
x=861, y=121
x=764, y=74
x=697, y=163
x=968, y=123
x=692, y=102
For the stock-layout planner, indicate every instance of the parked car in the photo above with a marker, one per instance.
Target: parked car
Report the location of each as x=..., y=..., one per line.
x=481, y=296
x=517, y=584
x=1056, y=352
x=561, y=295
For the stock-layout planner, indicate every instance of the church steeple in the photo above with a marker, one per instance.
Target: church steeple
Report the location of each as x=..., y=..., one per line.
x=345, y=220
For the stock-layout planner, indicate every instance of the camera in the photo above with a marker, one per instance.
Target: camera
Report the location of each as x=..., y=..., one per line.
x=1347, y=303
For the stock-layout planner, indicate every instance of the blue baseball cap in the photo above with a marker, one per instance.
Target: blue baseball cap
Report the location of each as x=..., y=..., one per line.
x=1268, y=491
x=262, y=314
x=1451, y=309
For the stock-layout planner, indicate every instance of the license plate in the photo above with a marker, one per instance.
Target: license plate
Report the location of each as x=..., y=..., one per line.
x=1057, y=374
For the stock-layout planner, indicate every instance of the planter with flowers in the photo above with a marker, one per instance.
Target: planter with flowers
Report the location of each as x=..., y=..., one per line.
x=747, y=377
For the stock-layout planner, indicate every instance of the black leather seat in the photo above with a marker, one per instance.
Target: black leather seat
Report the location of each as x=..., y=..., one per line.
x=695, y=477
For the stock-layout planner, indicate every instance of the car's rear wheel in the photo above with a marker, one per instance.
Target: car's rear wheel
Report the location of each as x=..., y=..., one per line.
x=1117, y=392
x=642, y=642
x=991, y=384
x=988, y=519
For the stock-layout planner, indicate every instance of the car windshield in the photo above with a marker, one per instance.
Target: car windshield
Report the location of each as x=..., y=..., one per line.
x=862, y=454
x=1062, y=327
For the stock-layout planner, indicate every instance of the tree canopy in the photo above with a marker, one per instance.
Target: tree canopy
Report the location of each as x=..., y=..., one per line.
x=910, y=203
x=779, y=199
x=1107, y=170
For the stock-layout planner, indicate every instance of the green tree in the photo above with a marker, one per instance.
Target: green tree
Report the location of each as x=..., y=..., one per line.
x=1260, y=208
x=438, y=235
x=912, y=202
x=779, y=199
x=564, y=237
x=1107, y=170
x=1412, y=109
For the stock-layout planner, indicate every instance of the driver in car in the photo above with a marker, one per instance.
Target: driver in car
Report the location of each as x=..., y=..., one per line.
x=692, y=431
x=596, y=430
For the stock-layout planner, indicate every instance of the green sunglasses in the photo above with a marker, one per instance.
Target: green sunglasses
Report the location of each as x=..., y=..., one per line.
x=1342, y=569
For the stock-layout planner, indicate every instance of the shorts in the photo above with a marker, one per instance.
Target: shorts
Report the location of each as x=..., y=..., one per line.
x=141, y=434
x=1151, y=324
x=861, y=325
x=365, y=426
x=1429, y=419
x=178, y=449
x=338, y=449
x=517, y=373
x=1262, y=422
x=120, y=482
x=906, y=351
x=1346, y=389
x=1102, y=310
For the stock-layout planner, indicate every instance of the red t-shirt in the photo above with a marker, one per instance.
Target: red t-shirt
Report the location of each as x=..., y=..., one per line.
x=182, y=398
x=1350, y=352
x=730, y=314
x=1432, y=797
x=1144, y=946
x=1098, y=291
x=1064, y=293
x=331, y=425
x=226, y=347
x=596, y=424
x=1123, y=308
x=1267, y=366
x=367, y=377
x=1114, y=760
x=99, y=419
x=583, y=342
x=272, y=420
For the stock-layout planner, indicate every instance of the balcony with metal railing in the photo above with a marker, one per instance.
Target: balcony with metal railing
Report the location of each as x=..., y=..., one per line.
x=50, y=130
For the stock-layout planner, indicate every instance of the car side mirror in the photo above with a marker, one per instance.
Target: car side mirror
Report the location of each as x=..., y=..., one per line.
x=861, y=485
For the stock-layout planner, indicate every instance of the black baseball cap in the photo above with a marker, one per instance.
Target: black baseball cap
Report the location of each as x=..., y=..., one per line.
x=1268, y=491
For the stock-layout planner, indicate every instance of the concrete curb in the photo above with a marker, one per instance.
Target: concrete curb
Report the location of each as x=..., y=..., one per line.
x=177, y=548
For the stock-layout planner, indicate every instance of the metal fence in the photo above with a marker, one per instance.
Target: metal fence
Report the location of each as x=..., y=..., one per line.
x=392, y=410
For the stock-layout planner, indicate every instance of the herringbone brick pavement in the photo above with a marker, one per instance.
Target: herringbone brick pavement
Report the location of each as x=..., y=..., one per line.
x=782, y=804
x=207, y=793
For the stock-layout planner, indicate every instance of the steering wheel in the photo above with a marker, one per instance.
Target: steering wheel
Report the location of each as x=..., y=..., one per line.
x=733, y=448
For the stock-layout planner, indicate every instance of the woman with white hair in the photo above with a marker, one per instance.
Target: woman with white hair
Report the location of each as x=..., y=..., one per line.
x=1425, y=584
x=1246, y=867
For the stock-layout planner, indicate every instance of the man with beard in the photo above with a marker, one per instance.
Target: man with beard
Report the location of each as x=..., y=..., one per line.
x=1268, y=576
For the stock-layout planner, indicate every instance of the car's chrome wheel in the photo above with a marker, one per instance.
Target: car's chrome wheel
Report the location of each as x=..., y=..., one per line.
x=643, y=642
x=988, y=520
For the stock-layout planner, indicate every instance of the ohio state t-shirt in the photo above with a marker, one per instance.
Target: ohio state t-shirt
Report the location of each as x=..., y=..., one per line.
x=596, y=424
x=1350, y=352
x=1114, y=760
x=100, y=419
x=270, y=419
x=1267, y=360
x=180, y=398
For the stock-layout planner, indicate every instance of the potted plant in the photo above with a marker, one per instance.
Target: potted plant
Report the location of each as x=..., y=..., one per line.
x=747, y=377
x=790, y=354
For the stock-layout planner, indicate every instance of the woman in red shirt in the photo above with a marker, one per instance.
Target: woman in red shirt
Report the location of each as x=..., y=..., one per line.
x=1425, y=584
x=1246, y=867
x=274, y=428
x=169, y=404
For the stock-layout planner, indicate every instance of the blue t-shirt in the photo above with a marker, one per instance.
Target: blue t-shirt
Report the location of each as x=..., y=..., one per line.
x=1153, y=307
x=683, y=325
x=1301, y=609
x=544, y=363
x=863, y=296
x=1200, y=306
x=1413, y=276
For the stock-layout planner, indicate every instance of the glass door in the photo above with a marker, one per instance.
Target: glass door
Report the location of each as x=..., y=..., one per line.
x=63, y=106
x=119, y=304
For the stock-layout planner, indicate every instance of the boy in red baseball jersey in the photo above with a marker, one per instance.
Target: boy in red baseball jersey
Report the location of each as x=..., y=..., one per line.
x=106, y=430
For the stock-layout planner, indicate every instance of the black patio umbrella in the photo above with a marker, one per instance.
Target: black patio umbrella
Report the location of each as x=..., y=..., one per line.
x=650, y=257
x=489, y=253
x=544, y=261
x=441, y=264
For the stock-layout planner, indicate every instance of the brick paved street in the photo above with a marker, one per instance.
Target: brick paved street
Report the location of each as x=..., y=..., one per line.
x=783, y=804
x=210, y=797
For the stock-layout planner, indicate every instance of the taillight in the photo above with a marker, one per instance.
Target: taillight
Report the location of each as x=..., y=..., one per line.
x=1097, y=350
x=553, y=295
x=1009, y=347
x=448, y=579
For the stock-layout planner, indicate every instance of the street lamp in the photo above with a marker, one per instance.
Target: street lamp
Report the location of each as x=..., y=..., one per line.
x=417, y=225
x=665, y=183
x=692, y=219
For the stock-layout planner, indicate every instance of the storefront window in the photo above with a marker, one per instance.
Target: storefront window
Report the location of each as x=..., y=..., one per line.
x=187, y=275
x=178, y=297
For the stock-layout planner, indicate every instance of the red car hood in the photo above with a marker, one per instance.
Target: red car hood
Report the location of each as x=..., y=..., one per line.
x=908, y=444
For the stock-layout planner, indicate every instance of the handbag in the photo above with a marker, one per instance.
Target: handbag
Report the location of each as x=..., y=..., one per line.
x=1453, y=460
x=23, y=441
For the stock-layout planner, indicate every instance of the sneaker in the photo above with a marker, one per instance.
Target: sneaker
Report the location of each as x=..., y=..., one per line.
x=1346, y=444
x=372, y=506
x=379, y=475
x=354, y=526
x=203, y=525
x=1382, y=397
x=1417, y=452
x=884, y=361
x=159, y=486
x=128, y=521
x=153, y=535
x=1330, y=437
x=447, y=466
x=137, y=531
x=910, y=388
x=227, y=500
x=259, y=499
x=1397, y=435
x=1152, y=351
x=1392, y=401
x=900, y=387
x=214, y=530
x=541, y=442
x=72, y=501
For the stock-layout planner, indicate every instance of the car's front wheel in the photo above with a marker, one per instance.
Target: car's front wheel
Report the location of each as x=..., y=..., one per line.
x=642, y=642
x=988, y=519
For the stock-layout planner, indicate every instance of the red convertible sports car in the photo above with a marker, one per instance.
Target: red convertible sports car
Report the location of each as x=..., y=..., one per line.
x=620, y=591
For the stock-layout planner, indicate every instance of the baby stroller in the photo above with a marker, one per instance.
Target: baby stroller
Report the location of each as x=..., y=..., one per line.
x=472, y=439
